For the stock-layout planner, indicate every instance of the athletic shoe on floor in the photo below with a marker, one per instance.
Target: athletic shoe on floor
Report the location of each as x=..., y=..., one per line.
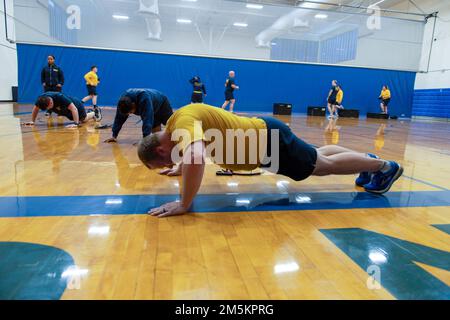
x=365, y=177
x=97, y=114
x=382, y=182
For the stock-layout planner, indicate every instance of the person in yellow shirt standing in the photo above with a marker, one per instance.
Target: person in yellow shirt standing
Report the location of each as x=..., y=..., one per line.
x=92, y=81
x=385, y=97
x=338, y=103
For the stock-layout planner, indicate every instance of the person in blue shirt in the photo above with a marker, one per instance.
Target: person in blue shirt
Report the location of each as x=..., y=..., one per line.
x=151, y=105
x=199, y=90
x=69, y=107
x=52, y=76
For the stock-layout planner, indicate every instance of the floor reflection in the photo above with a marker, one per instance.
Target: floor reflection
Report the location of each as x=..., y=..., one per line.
x=331, y=132
x=128, y=174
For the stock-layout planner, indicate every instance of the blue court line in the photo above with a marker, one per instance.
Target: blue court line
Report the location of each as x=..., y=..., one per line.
x=140, y=204
x=22, y=113
x=425, y=182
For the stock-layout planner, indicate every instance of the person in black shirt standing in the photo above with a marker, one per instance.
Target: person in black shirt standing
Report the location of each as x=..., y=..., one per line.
x=331, y=99
x=199, y=90
x=230, y=86
x=52, y=78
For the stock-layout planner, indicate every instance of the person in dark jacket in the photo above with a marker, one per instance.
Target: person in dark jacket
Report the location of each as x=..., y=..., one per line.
x=52, y=76
x=199, y=90
x=151, y=105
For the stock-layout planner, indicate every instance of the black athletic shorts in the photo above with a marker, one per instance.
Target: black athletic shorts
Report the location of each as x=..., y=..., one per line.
x=164, y=113
x=229, y=95
x=385, y=102
x=332, y=101
x=92, y=90
x=197, y=97
x=297, y=159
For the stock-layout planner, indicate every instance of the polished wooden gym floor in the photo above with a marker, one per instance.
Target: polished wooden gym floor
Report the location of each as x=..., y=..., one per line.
x=73, y=222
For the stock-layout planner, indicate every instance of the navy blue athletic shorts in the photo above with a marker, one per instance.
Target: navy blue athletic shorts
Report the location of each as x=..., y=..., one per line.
x=92, y=90
x=81, y=110
x=229, y=95
x=297, y=158
x=197, y=97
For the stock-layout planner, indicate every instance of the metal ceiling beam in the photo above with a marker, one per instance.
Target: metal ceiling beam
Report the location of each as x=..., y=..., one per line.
x=297, y=3
x=349, y=6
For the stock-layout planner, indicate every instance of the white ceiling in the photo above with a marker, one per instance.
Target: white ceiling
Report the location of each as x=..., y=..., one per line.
x=219, y=15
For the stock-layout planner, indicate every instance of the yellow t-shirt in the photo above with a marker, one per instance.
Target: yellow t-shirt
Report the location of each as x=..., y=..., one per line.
x=91, y=78
x=205, y=122
x=385, y=94
x=340, y=96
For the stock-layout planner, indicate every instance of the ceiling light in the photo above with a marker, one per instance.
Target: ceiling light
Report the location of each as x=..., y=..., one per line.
x=240, y=24
x=185, y=21
x=189, y=0
x=309, y=5
x=120, y=17
x=321, y=16
x=254, y=6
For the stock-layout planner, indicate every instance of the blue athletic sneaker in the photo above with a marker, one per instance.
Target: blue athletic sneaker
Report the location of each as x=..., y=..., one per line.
x=365, y=177
x=382, y=182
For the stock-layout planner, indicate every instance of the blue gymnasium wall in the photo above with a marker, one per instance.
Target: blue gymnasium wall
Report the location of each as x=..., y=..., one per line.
x=262, y=83
x=432, y=103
